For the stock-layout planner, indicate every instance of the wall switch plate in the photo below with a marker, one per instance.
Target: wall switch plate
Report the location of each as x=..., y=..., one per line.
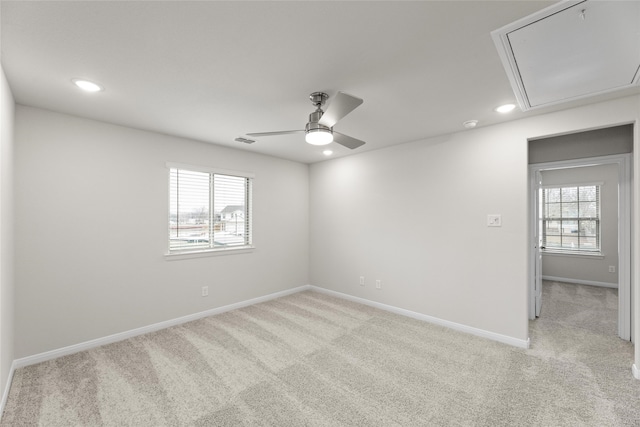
x=494, y=220
x=378, y=284
x=612, y=269
x=361, y=280
x=205, y=291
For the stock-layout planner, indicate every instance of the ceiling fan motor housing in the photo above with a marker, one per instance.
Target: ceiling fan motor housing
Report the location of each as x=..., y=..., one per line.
x=313, y=124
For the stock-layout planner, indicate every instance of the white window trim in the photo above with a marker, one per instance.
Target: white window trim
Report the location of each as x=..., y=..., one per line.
x=580, y=184
x=574, y=254
x=201, y=253
x=207, y=169
x=174, y=256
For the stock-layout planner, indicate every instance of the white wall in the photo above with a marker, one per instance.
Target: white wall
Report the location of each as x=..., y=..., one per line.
x=445, y=262
x=448, y=264
x=91, y=216
x=583, y=268
x=7, y=110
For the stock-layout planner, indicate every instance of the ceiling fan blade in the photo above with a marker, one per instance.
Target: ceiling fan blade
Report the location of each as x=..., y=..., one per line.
x=346, y=140
x=340, y=106
x=282, y=132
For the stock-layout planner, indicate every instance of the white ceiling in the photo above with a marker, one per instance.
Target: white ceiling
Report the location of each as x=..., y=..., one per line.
x=214, y=71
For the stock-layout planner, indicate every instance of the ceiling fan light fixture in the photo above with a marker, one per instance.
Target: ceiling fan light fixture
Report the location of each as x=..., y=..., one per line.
x=319, y=137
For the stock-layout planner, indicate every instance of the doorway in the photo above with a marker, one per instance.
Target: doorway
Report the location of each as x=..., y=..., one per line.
x=622, y=163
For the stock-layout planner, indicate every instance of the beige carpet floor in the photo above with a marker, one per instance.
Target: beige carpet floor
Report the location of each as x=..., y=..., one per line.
x=313, y=360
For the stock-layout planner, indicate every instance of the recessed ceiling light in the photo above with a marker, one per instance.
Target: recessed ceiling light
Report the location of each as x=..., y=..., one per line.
x=506, y=108
x=87, y=85
x=470, y=124
x=327, y=152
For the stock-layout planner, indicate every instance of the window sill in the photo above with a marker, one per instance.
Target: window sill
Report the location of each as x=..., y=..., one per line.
x=175, y=256
x=593, y=255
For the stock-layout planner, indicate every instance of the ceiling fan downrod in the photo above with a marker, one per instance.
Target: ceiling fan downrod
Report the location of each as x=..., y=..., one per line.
x=317, y=99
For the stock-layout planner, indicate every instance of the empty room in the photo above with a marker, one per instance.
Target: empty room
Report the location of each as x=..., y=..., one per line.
x=267, y=213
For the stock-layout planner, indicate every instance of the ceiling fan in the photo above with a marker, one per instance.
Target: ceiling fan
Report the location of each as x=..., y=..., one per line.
x=319, y=130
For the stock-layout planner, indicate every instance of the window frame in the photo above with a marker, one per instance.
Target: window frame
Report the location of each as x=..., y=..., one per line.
x=175, y=254
x=561, y=219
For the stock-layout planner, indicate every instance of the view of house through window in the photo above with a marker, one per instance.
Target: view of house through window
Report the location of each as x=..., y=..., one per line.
x=571, y=218
x=208, y=210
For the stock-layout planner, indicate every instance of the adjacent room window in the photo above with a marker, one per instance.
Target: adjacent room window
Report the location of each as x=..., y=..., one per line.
x=571, y=218
x=208, y=210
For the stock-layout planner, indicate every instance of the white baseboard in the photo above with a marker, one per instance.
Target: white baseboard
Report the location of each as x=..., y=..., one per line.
x=87, y=345
x=580, y=282
x=636, y=371
x=419, y=316
x=7, y=388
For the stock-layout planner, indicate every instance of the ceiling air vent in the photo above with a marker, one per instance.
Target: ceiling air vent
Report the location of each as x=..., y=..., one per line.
x=571, y=50
x=245, y=140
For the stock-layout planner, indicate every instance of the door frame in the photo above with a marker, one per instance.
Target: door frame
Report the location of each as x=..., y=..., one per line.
x=537, y=291
x=624, y=230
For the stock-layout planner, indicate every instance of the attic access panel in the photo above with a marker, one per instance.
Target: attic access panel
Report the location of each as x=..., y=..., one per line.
x=571, y=50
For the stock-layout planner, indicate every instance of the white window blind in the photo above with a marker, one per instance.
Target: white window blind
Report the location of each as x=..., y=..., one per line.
x=571, y=218
x=208, y=210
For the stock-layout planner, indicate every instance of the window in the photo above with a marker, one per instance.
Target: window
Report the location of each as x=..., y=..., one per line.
x=571, y=218
x=208, y=210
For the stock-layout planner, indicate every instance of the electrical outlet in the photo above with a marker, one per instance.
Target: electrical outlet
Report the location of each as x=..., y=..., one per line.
x=361, y=280
x=205, y=291
x=378, y=284
x=612, y=269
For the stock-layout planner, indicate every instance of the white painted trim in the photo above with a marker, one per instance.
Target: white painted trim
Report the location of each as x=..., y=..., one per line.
x=585, y=255
x=174, y=256
x=208, y=169
x=532, y=265
x=581, y=282
x=7, y=387
x=636, y=371
x=430, y=319
x=625, y=261
x=577, y=184
x=87, y=345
